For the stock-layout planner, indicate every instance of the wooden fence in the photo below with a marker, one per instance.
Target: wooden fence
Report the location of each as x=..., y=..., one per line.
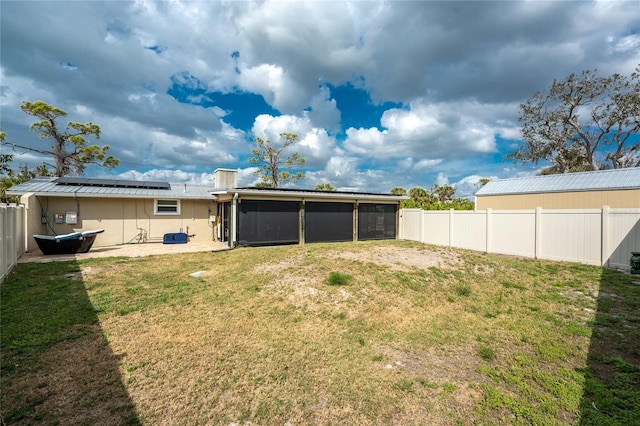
x=604, y=237
x=12, y=237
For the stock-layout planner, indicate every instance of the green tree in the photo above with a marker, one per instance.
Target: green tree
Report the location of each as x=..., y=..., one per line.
x=584, y=122
x=70, y=148
x=325, y=187
x=10, y=178
x=398, y=191
x=443, y=193
x=268, y=157
x=5, y=159
x=441, y=197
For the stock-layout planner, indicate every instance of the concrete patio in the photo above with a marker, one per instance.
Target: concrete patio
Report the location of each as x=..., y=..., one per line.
x=127, y=250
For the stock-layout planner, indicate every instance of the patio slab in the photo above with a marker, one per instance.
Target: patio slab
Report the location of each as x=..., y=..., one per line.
x=127, y=250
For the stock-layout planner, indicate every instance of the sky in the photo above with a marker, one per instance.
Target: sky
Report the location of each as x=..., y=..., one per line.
x=381, y=94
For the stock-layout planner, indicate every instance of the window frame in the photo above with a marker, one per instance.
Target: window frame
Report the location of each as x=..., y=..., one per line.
x=158, y=202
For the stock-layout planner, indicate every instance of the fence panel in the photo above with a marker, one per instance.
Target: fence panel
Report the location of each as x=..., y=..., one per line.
x=623, y=237
x=436, y=228
x=470, y=230
x=513, y=232
x=573, y=235
x=4, y=267
x=410, y=227
x=12, y=237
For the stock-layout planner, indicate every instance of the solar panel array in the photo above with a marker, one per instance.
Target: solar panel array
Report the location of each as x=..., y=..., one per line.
x=112, y=183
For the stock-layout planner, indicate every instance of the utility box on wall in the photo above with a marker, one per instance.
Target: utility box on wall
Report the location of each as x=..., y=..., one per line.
x=72, y=218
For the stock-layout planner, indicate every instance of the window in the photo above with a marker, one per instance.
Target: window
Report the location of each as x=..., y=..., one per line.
x=167, y=207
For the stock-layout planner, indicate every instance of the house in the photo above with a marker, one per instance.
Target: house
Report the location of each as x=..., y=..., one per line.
x=616, y=188
x=143, y=211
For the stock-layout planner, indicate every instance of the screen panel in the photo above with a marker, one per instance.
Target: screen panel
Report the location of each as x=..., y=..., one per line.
x=262, y=222
x=377, y=221
x=326, y=222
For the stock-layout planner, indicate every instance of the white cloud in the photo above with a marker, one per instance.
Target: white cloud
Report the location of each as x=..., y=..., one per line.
x=314, y=144
x=460, y=72
x=431, y=131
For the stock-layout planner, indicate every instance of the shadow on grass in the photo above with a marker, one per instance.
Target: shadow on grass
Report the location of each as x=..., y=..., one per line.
x=612, y=380
x=57, y=366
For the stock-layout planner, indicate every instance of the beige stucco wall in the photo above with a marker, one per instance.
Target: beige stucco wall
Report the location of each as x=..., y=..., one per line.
x=619, y=199
x=121, y=218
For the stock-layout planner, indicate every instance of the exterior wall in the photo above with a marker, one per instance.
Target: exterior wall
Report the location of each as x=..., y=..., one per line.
x=620, y=199
x=32, y=220
x=123, y=219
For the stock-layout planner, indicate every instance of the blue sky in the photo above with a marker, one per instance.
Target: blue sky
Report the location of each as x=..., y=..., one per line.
x=381, y=94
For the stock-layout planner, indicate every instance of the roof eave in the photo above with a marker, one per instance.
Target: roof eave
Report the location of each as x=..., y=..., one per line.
x=96, y=195
x=308, y=195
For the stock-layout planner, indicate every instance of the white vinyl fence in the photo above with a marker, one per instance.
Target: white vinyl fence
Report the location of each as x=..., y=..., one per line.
x=12, y=237
x=603, y=237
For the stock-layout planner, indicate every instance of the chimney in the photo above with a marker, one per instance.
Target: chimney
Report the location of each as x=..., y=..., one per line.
x=225, y=178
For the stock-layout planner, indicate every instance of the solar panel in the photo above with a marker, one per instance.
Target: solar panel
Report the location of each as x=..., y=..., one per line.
x=112, y=183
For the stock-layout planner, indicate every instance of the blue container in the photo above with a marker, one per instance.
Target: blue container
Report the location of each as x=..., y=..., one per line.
x=175, y=238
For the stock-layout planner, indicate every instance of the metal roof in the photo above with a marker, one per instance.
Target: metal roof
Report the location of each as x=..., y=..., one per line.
x=74, y=187
x=600, y=180
x=102, y=188
x=310, y=194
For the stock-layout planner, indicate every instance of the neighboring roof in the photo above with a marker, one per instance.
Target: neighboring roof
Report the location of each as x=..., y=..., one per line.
x=601, y=180
x=110, y=188
x=311, y=194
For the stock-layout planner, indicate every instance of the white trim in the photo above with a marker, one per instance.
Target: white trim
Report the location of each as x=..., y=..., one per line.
x=167, y=213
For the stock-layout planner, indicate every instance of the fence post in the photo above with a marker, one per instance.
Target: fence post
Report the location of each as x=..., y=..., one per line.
x=538, y=238
x=4, y=267
x=489, y=230
x=451, y=227
x=604, y=244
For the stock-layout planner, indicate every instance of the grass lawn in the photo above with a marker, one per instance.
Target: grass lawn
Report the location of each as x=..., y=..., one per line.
x=352, y=333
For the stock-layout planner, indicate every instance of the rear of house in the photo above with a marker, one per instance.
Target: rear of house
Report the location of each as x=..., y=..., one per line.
x=141, y=212
x=128, y=211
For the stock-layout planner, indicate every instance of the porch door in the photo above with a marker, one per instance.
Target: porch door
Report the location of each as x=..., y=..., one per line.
x=224, y=210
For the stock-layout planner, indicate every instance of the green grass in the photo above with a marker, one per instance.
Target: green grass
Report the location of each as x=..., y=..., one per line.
x=338, y=278
x=270, y=336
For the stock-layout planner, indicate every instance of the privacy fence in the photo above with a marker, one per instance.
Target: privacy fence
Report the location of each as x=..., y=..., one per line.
x=603, y=237
x=12, y=237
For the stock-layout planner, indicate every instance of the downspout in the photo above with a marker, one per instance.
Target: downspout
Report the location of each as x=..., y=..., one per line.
x=75, y=195
x=234, y=219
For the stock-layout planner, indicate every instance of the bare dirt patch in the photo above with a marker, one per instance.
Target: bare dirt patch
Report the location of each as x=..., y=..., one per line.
x=304, y=284
x=403, y=258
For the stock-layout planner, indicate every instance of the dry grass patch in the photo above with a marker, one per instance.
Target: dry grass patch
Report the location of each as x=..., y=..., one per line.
x=418, y=335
